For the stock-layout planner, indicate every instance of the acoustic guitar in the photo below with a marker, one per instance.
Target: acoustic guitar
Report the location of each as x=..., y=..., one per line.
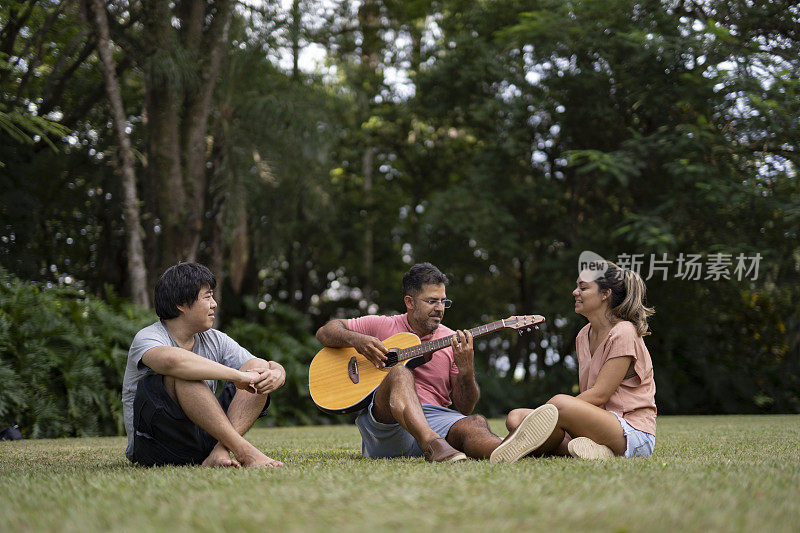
x=341, y=380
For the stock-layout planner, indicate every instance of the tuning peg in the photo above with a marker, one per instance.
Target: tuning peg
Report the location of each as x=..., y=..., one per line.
x=520, y=333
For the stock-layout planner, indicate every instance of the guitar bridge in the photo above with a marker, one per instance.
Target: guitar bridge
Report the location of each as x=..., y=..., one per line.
x=352, y=369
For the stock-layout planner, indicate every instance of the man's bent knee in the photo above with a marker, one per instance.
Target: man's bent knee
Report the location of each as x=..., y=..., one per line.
x=477, y=421
x=398, y=377
x=400, y=372
x=255, y=362
x=468, y=424
x=175, y=387
x=169, y=386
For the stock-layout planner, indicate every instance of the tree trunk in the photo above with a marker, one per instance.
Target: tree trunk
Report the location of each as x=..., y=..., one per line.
x=240, y=247
x=371, y=45
x=218, y=251
x=179, y=95
x=295, y=38
x=369, y=244
x=135, y=250
x=198, y=110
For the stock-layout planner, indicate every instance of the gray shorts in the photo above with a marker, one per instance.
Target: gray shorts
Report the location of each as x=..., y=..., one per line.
x=391, y=440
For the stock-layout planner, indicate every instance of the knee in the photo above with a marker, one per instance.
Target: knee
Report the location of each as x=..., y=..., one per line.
x=400, y=374
x=475, y=421
x=255, y=362
x=465, y=427
x=169, y=386
x=177, y=387
x=172, y=383
x=514, y=418
x=563, y=402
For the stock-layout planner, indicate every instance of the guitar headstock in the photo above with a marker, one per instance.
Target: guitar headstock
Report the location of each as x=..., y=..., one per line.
x=521, y=322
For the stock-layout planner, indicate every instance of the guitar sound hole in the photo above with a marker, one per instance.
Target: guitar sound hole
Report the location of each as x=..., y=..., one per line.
x=391, y=359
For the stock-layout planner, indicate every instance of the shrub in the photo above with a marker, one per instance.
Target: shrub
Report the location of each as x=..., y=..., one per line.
x=281, y=334
x=62, y=358
x=63, y=355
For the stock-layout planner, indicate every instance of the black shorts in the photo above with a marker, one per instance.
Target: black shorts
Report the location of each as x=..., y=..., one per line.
x=164, y=435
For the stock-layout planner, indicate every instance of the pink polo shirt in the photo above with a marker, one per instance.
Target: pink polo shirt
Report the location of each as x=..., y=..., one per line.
x=634, y=399
x=433, y=379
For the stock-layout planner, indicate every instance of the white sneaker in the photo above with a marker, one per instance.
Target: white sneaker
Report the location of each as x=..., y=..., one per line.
x=531, y=433
x=586, y=448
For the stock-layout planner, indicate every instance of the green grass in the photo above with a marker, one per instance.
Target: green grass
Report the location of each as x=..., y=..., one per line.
x=731, y=473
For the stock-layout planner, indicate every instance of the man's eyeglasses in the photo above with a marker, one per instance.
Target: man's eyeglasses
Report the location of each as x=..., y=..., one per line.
x=446, y=303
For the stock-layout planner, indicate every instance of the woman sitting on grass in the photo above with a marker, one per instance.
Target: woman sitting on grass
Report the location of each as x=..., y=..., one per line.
x=615, y=412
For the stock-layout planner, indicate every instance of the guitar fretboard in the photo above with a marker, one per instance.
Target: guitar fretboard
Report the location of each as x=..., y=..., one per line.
x=443, y=342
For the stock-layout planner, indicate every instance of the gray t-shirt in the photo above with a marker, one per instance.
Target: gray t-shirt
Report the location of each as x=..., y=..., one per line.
x=211, y=344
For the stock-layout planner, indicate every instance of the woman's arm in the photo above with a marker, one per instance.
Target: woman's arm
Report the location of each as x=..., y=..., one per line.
x=608, y=379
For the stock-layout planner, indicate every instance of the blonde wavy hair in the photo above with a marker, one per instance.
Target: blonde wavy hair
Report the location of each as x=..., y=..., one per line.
x=628, y=296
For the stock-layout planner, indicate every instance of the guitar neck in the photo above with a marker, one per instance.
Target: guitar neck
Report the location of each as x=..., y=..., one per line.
x=443, y=342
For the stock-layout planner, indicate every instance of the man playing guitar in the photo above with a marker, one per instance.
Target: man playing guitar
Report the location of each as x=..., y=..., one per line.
x=410, y=413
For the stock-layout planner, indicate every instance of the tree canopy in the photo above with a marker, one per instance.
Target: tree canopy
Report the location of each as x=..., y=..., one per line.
x=309, y=152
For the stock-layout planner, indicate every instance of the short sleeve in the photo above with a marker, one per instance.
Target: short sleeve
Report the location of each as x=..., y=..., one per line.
x=374, y=325
x=231, y=353
x=622, y=342
x=147, y=338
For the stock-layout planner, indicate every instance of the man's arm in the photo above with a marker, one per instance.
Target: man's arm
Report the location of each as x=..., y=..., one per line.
x=272, y=375
x=335, y=334
x=183, y=364
x=465, y=389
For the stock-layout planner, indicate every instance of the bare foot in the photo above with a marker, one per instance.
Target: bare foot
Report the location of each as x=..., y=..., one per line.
x=220, y=458
x=255, y=459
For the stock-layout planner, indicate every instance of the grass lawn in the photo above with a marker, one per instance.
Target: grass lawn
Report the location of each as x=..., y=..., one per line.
x=721, y=473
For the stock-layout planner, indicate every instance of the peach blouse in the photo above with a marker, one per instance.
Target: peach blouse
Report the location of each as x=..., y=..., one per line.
x=634, y=399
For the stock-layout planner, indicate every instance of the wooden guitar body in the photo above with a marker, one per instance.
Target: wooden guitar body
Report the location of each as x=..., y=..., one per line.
x=341, y=380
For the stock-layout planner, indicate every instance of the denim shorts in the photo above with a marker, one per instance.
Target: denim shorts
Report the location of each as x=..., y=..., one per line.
x=380, y=440
x=639, y=443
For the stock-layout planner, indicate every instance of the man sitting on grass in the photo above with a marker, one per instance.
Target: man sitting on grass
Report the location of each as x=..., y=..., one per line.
x=410, y=412
x=171, y=413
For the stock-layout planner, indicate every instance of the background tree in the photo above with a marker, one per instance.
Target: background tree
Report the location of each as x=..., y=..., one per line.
x=136, y=268
x=184, y=44
x=58, y=211
x=496, y=140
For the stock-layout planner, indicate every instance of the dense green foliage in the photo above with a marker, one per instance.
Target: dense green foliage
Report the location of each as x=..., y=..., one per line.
x=62, y=358
x=63, y=355
x=281, y=334
x=497, y=140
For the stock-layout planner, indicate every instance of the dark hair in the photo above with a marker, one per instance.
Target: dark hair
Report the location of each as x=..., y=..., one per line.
x=628, y=296
x=179, y=285
x=419, y=275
